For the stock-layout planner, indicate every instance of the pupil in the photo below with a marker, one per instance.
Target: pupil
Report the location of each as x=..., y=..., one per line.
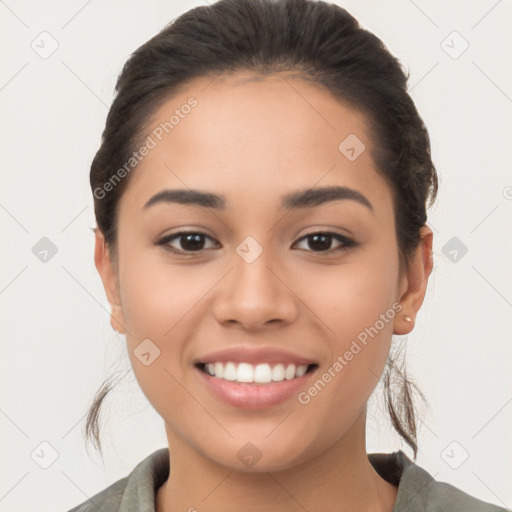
x=193, y=246
x=315, y=239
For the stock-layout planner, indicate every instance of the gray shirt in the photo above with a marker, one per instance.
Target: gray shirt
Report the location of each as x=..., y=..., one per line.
x=417, y=490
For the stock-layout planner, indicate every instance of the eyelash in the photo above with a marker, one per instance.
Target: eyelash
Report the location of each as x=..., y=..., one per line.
x=347, y=242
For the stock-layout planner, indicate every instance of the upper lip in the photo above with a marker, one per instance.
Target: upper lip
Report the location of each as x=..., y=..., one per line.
x=251, y=355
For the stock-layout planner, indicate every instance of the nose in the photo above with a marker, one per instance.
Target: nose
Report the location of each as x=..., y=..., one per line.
x=256, y=295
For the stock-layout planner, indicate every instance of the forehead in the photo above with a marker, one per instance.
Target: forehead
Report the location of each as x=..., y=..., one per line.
x=255, y=135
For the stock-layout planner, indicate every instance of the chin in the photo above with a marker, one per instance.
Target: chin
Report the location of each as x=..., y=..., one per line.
x=259, y=457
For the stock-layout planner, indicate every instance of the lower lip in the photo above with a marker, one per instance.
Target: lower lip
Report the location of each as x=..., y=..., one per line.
x=254, y=396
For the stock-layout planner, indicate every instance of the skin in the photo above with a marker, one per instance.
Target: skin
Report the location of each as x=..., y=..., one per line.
x=252, y=141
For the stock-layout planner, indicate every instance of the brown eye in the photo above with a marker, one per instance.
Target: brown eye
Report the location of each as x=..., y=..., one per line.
x=321, y=242
x=194, y=242
x=190, y=241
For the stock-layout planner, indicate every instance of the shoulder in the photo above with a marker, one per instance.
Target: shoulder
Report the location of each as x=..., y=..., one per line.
x=419, y=491
x=133, y=492
x=449, y=498
x=107, y=500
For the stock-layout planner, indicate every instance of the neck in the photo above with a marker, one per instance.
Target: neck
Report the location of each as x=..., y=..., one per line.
x=341, y=479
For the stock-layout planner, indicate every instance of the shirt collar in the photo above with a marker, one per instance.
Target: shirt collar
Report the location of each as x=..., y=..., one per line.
x=412, y=481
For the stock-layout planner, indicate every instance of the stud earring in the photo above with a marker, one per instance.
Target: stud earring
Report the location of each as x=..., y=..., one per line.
x=407, y=318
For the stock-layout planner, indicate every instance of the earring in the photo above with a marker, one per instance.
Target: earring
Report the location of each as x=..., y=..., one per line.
x=407, y=318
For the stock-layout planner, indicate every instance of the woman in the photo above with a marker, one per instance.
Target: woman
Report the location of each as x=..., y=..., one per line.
x=261, y=194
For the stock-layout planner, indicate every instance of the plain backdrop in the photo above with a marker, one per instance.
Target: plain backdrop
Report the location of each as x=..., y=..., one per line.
x=57, y=345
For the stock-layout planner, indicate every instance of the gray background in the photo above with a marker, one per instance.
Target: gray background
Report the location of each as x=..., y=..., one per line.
x=57, y=345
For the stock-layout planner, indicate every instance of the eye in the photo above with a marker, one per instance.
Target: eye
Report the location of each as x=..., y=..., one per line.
x=322, y=240
x=193, y=241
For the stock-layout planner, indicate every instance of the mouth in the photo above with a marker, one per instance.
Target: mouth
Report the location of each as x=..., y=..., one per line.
x=259, y=386
x=256, y=374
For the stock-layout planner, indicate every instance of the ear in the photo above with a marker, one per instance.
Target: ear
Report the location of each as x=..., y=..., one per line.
x=414, y=284
x=108, y=273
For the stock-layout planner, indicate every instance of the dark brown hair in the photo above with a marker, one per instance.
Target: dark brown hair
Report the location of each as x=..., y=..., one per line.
x=323, y=44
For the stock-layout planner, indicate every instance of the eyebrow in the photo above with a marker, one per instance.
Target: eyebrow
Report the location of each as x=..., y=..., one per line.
x=305, y=198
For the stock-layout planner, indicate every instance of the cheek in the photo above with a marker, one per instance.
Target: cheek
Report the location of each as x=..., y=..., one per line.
x=353, y=295
x=357, y=306
x=156, y=297
x=158, y=301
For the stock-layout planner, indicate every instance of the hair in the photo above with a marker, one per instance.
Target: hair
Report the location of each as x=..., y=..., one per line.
x=319, y=42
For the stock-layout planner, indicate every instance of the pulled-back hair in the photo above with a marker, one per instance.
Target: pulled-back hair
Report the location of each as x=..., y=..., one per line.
x=323, y=44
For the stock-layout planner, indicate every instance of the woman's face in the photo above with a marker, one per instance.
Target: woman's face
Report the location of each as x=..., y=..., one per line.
x=250, y=281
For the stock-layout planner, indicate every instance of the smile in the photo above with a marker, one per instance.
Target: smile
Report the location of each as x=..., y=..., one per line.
x=259, y=374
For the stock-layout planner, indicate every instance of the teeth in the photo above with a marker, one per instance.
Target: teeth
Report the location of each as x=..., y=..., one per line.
x=278, y=373
x=229, y=371
x=289, y=373
x=218, y=369
x=261, y=373
x=245, y=373
x=301, y=370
